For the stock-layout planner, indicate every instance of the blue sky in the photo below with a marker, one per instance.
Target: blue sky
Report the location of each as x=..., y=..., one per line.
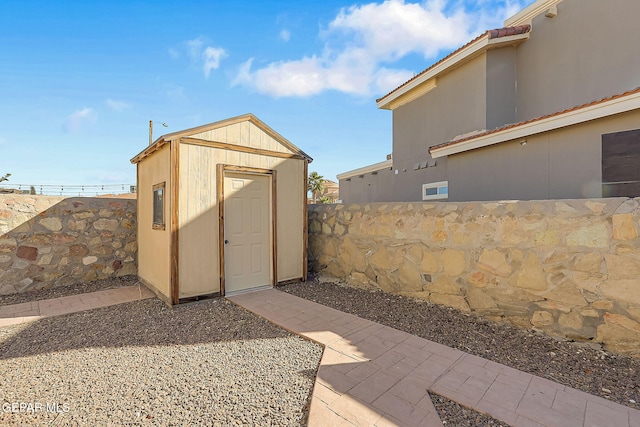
x=80, y=80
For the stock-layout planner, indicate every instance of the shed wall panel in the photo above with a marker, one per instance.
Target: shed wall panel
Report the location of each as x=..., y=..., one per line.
x=199, y=268
x=291, y=197
x=154, y=245
x=233, y=134
x=198, y=217
x=245, y=134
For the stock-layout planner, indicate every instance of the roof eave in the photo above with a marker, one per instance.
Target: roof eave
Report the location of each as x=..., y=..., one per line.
x=150, y=149
x=426, y=81
x=211, y=126
x=366, y=169
x=526, y=15
x=592, y=112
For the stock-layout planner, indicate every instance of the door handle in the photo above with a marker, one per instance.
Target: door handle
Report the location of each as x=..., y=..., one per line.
x=226, y=241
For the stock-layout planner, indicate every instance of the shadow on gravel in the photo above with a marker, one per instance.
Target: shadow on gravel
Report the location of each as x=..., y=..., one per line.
x=144, y=363
x=140, y=323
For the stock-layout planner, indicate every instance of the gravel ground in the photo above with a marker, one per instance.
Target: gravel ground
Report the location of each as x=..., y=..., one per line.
x=580, y=366
x=63, y=291
x=214, y=363
x=454, y=414
x=143, y=363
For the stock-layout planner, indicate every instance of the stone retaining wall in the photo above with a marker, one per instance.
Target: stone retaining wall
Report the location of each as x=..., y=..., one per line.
x=51, y=241
x=570, y=268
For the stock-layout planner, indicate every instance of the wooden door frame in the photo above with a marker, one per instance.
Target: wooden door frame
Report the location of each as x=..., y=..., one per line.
x=173, y=200
x=222, y=169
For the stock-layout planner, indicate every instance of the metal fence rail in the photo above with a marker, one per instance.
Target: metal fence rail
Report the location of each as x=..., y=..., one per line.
x=67, y=190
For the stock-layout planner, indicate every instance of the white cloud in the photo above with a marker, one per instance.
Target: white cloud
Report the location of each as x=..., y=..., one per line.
x=387, y=79
x=394, y=28
x=294, y=78
x=208, y=57
x=363, y=42
x=285, y=35
x=79, y=118
x=118, y=106
x=212, y=57
x=514, y=6
x=194, y=47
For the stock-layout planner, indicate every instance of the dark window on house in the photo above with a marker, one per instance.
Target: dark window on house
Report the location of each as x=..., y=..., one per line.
x=621, y=164
x=158, y=206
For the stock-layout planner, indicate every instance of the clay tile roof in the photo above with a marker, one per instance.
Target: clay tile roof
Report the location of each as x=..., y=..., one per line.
x=508, y=31
x=546, y=116
x=491, y=34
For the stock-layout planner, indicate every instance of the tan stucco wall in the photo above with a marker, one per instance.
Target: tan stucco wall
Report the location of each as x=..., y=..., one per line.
x=455, y=106
x=154, y=246
x=369, y=188
x=199, y=268
x=567, y=267
x=583, y=54
x=502, y=94
x=561, y=164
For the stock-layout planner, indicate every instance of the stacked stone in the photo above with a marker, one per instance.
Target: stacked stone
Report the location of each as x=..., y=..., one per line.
x=49, y=241
x=570, y=268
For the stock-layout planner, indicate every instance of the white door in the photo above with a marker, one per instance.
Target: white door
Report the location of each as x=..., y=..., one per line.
x=247, y=232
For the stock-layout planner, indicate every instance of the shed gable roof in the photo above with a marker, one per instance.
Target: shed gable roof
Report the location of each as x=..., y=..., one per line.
x=212, y=131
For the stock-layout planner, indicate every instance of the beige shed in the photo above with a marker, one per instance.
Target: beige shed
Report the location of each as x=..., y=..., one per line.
x=221, y=209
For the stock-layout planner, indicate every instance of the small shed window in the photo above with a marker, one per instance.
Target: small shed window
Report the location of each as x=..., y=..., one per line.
x=158, y=206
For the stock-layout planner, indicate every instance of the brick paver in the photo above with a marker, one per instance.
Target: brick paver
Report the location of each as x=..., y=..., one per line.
x=36, y=310
x=373, y=375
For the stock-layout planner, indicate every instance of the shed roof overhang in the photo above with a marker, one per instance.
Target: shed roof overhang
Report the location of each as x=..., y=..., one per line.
x=427, y=80
x=616, y=104
x=185, y=134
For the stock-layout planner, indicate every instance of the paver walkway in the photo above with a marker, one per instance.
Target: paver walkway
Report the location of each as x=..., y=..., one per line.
x=374, y=375
x=35, y=310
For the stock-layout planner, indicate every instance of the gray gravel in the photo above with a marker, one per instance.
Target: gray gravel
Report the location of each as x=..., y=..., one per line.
x=213, y=363
x=143, y=363
x=576, y=365
x=455, y=415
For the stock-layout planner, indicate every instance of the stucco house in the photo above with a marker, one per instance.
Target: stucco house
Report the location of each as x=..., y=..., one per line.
x=547, y=107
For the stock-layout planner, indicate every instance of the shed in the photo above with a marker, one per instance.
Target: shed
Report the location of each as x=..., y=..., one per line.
x=221, y=210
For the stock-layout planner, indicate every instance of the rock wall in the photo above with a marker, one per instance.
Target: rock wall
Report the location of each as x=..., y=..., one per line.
x=570, y=268
x=51, y=241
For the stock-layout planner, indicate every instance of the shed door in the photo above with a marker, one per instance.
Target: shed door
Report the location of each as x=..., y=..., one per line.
x=247, y=232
